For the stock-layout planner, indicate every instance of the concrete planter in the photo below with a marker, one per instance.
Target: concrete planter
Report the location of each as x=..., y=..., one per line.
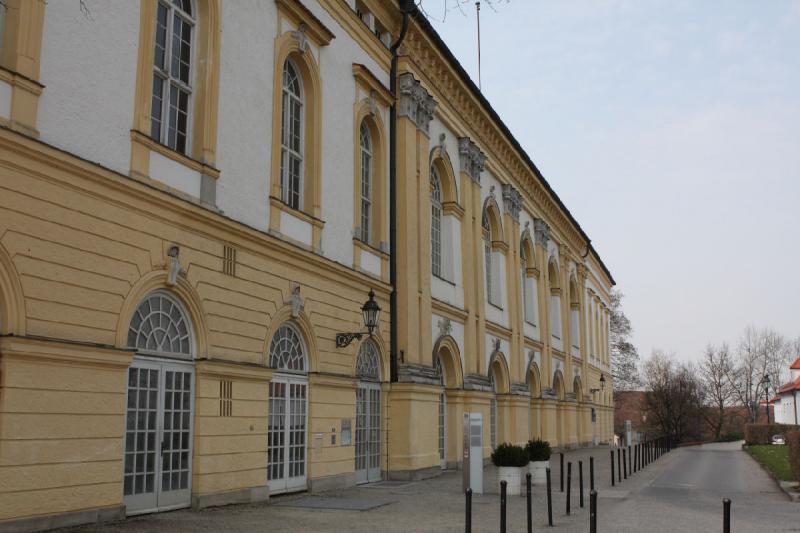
x=538, y=471
x=512, y=475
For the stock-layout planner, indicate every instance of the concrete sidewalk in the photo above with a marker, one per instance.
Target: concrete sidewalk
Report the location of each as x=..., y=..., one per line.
x=436, y=504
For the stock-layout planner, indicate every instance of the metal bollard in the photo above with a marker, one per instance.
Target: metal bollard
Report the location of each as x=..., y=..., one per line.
x=726, y=515
x=630, y=460
x=569, y=484
x=580, y=484
x=549, y=500
x=468, y=517
x=591, y=473
x=530, y=510
x=562, y=471
x=624, y=465
x=636, y=459
x=503, y=506
x=619, y=465
x=612, y=468
x=593, y=512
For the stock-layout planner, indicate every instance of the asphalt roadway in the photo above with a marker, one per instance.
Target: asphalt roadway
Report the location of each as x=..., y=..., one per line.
x=680, y=492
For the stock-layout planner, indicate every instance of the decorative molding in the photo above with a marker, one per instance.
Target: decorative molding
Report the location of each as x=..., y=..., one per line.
x=496, y=346
x=299, y=35
x=296, y=302
x=512, y=201
x=412, y=373
x=519, y=389
x=471, y=159
x=541, y=232
x=445, y=327
x=477, y=382
x=416, y=103
x=307, y=23
x=372, y=84
x=174, y=265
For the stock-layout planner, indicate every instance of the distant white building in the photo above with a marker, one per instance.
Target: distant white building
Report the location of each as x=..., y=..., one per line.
x=787, y=407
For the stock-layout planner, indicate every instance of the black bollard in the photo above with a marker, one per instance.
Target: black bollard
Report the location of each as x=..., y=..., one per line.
x=630, y=461
x=636, y=459
x=549, y=500
x=593, y=512
x=562, y=471
x=624, y=465
x=580, y=484
x=619, y=465
x=612, y=468
x=726, y=515
x=468, y=517
x=569, y=484
x=530, y=510
x=503, y=506
x=591, y=472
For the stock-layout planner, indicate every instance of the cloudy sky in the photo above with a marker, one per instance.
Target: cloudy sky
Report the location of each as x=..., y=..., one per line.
x=671, y=130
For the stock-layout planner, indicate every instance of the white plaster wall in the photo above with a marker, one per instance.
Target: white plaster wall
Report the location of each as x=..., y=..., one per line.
x=371, y=263
x=88, y=68
x=245, y=110
x=456, y=331
x=174, y=174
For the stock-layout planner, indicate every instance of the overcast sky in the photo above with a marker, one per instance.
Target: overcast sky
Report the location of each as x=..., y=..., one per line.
x=671, y=130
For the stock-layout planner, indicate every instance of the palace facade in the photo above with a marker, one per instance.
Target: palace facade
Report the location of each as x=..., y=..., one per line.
x=197, y=196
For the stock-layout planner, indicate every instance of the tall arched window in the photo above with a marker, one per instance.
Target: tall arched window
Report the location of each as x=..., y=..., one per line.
x=555, y=303
x=159, y=325
x=173, y=73
x=366, y=183
x=437, y=365
x=487, y=254
x=286, y=351
x=493, y=411
x=436, y=223
x=292, y=137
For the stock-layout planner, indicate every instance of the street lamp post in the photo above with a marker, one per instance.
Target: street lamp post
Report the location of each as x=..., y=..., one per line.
x=371, y=311
x=766, y=382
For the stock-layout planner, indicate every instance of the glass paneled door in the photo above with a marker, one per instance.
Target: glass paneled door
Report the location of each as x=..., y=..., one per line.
x=368, y=432
x=158, y=437
x=286, y=435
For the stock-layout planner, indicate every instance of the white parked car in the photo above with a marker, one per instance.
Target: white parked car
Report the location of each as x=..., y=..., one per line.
x=778, y=439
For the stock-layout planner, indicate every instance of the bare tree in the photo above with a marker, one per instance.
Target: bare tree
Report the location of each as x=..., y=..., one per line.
x=624, y=355
x=715, y=370
x=673, y=396
x=760, y=353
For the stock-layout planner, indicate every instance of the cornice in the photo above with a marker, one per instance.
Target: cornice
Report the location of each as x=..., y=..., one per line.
x=371, y=83
x=440, y=77
x=311, y=25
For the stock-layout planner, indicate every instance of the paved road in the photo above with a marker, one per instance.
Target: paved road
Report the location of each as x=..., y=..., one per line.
x=685, y=491
x=681, y=492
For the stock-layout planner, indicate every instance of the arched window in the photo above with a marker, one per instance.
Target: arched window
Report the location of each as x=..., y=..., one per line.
x=286, y=351
x=368, y=362
x=555, y=303
x=437, y=366
x=159, y=325
x=173, y=74
x=487, y=254
x=574, y=317
x=436, y=222
x=292, y=137
x=366, y=183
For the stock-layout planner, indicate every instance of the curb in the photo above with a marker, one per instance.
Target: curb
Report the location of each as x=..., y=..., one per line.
x=785, y=486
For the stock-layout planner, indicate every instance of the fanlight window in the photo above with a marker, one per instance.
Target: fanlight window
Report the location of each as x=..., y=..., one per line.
x=368, y=362
x=160, y=325
x=286, y=351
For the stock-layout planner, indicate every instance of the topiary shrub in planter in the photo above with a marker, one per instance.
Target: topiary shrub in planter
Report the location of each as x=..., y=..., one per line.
x=509, y=460
x=793, y=442
x=539, y=460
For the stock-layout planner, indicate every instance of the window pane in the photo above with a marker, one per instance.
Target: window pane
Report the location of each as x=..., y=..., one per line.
x=156, y=108
x=161, y=36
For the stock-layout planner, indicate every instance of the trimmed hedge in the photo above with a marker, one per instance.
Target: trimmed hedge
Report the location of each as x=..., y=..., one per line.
x=538, y=450
x=793, y=442
x=508, y=454
x=762, y=433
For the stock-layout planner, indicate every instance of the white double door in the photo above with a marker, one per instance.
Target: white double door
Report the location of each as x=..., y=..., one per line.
x=287, y=434
x=368, y=432
x=158, y=436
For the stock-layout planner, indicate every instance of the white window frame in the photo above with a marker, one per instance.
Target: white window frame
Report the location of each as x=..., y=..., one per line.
x=286, y=150
x=367, y=179
x=437, y=211
x=168, y=79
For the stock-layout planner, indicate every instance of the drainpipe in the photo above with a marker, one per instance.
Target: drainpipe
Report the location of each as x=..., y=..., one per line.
x=406, y=8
